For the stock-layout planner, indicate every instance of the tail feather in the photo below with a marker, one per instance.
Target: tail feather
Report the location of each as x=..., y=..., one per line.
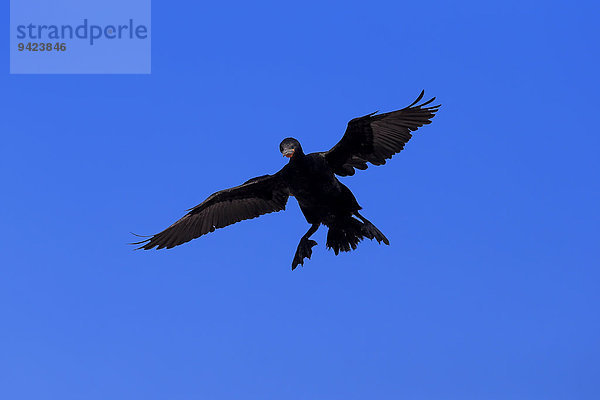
x=372, y=232
x=345, y=233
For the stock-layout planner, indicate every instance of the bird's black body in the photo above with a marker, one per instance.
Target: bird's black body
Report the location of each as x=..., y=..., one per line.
x=311, y=179
x=320, y=195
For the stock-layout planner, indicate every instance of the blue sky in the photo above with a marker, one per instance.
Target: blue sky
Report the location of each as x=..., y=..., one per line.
x=489, y=289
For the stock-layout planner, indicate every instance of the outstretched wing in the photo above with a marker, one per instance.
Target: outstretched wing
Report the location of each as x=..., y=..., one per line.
x=377, y=137
x=258, y=196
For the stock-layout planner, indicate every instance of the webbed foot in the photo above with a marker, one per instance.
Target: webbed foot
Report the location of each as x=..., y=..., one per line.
x=303, y=251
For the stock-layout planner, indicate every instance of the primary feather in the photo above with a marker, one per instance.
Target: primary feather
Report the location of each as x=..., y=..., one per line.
x=376, y=137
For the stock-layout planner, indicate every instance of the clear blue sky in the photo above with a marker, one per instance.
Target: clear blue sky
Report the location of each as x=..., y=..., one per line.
x=489, y=290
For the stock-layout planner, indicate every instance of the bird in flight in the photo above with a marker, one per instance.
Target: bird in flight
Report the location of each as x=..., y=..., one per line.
x=311, y=179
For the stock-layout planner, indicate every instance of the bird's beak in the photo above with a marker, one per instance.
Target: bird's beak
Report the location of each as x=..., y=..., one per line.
x=288, y=153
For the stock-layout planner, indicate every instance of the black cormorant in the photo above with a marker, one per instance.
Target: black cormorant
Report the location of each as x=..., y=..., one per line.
x=311, y=179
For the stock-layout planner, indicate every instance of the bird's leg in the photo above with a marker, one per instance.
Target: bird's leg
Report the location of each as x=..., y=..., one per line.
x=305, y=246
x=371, y=230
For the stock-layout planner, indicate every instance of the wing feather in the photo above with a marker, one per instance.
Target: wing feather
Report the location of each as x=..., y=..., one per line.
x=255, y=197
x=375, y=138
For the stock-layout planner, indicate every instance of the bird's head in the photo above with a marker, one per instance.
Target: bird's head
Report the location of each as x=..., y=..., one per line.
x=290, y=147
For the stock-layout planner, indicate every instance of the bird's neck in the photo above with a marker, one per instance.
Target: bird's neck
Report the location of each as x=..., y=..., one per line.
x=298, y=156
